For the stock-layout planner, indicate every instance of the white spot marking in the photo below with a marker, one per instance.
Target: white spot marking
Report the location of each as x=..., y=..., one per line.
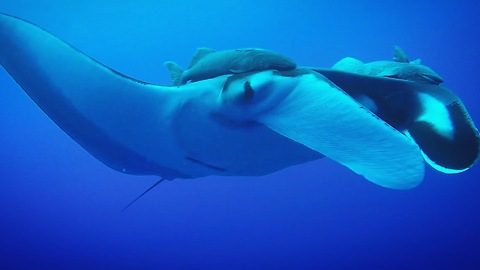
x=436, y=114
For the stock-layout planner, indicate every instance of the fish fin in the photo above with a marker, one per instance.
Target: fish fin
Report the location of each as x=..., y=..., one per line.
x=379, y=152
x=141, y=195
x=175, y=72
x=416, y=62
x=400, y=56
x=449, y=140
x=199, y=54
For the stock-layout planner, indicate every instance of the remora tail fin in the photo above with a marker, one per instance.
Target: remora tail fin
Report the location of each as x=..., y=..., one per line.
x=175, y=72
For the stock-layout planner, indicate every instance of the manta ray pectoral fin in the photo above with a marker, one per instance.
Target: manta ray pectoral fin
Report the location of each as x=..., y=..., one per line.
x=432, y=115
x=175, y=72
x=449, y=140
x=104, y=111
x=321, y=116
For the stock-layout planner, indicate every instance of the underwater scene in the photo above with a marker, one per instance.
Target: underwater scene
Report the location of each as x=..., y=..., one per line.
x=239, y=135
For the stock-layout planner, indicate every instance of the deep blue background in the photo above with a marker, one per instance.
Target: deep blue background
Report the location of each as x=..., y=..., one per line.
x=60, y=208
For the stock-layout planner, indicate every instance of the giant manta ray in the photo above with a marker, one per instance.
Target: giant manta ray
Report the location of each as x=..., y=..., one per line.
x=246, y=124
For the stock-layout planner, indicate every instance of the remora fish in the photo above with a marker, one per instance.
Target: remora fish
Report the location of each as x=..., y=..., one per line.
x=399, y=68
x=207, y=63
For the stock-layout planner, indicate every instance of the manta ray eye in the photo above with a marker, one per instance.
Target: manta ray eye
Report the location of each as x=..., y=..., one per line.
x=247, y=90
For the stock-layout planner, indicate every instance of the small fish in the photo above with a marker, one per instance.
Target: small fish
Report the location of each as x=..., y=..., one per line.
x=400, y=68
x=207, y=63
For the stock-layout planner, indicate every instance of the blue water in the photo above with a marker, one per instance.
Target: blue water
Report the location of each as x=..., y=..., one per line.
x=60, y=207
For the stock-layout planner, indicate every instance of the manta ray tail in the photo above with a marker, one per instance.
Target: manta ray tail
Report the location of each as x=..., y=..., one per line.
x=141, y=195
x=175, y=72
